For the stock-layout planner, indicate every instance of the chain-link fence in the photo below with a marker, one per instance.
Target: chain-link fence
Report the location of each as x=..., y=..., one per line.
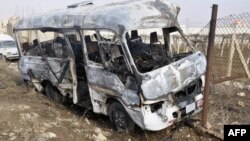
x=229, y=101
x=231, y=53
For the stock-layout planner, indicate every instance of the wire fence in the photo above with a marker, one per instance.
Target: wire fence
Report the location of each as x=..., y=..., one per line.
x=229, y=99
x=230, y=60
x=231, y=53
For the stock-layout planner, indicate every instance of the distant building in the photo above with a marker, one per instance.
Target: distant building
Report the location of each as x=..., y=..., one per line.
x=190, y=30
x=11, y=23
x=1, y=26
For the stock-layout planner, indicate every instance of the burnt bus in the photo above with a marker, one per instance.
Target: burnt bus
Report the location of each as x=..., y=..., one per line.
x=117, y=60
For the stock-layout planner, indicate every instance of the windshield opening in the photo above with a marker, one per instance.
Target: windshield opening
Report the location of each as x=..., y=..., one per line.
x=154, y=48
x=8, y=44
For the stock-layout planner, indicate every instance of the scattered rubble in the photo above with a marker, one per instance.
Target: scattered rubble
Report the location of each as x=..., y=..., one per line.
x=11, y=134
x=238, y=85
x=24, y=107
x=227, y=83
x=98, y=130
x=46, y=136
x=241, y=94
x=4, y=134
x=29, y=116
x=241, y=103
x=98, y=136
x=12, y=138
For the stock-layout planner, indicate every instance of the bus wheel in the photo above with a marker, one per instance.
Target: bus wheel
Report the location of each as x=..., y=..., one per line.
x=120, y=118
x=53, y=93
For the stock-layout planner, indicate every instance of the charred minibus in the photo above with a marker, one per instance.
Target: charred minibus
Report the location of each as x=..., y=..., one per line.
x=116, y=60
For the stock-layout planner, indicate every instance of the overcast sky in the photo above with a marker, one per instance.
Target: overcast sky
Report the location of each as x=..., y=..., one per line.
x=193, y=12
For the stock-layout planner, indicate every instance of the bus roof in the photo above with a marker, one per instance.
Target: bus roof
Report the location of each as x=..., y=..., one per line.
x=119, y=17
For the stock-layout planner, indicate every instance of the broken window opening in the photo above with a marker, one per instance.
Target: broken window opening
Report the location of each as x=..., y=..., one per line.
x=53, y=44
x=113, y=56
x=180, y=46
x=38, y=43
x=154, y=48
x=104, y=47
x=29, y=43
x=91, y=45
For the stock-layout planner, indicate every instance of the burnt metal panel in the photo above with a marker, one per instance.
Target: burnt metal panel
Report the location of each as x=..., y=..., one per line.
x=159, y=83
x=119, y=17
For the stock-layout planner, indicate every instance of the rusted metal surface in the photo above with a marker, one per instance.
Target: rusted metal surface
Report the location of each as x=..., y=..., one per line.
x=209, y=58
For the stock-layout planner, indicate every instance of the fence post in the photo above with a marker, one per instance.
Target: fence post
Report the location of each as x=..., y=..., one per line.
x=222, y=46
x=231, y=56
x=242, y=59
x=209, y=57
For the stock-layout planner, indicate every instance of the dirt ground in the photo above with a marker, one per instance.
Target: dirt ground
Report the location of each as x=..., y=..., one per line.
x=229, y=104
x=27, y=115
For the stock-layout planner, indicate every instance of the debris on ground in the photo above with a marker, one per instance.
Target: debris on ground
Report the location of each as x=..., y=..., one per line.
x=241, y=94
x=46, y=136
x=241, y=103
x=98, y=136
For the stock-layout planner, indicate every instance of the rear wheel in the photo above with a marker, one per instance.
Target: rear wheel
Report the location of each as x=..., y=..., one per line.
x=120, y=118
x=54, y=94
